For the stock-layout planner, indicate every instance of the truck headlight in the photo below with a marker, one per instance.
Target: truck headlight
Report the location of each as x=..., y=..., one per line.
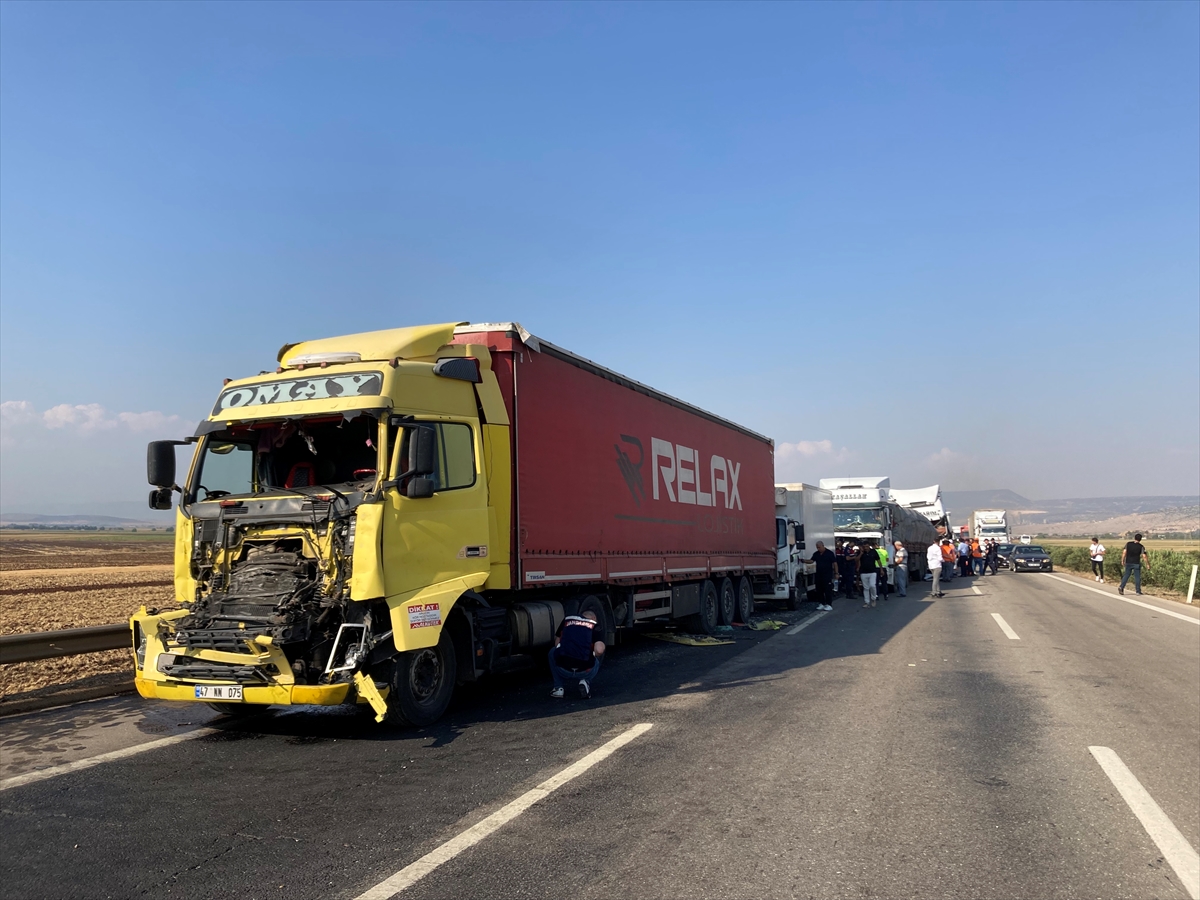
x=139, y=650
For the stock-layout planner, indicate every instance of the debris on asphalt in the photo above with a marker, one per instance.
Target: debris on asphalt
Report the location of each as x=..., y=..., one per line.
x=692, y=640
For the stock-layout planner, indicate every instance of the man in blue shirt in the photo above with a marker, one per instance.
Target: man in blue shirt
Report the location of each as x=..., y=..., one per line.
x=576, y=654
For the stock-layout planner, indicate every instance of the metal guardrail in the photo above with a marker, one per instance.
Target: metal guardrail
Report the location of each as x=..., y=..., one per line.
x=16, y=648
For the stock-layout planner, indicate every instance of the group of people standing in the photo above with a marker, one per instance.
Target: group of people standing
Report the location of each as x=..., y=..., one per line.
x=969, y=557
x=865, y=570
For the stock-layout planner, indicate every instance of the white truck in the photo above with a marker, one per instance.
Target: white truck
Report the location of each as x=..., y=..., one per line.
x=803, y=516
x=864, y=510
x=990, y=525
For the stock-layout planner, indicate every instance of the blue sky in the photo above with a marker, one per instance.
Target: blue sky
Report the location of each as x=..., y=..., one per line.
x=952, y=243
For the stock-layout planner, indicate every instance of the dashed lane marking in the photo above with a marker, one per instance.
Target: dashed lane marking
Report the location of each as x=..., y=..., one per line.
x=414, y=872
x=977, y=590
x=798, y=628
x=79, y=764
x=1005, y=627
x=1157, y=609
x=1174, y=846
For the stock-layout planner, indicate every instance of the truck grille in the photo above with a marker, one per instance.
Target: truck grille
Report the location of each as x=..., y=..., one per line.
x=231, y=640
x=206, y=670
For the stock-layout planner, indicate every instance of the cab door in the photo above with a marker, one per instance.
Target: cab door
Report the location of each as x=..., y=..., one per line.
x=429, y=540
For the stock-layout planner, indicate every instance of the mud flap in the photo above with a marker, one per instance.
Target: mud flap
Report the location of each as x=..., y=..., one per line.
x=367, y=690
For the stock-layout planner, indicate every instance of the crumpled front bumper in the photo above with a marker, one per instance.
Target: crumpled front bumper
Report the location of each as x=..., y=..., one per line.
x=272, y=694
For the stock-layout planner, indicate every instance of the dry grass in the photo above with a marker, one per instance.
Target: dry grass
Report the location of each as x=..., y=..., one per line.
x=51, y=582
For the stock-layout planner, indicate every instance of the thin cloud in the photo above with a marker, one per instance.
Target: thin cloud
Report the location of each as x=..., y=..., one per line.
x=801, y=460
x=20, y=416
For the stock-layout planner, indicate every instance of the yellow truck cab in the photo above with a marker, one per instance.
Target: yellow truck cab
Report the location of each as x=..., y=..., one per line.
x=334, y=512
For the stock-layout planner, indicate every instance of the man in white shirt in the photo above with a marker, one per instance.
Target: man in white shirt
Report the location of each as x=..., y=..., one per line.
x=933, y=556
x=1097, y=553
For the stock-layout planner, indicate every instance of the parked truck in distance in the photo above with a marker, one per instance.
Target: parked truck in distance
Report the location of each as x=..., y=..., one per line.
x=389, y=514
x=863, y=510
x=990, y=525
x=803, y=516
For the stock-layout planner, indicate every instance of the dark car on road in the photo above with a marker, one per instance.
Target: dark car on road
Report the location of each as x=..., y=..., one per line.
x=1030, y=558
x=1003, y=552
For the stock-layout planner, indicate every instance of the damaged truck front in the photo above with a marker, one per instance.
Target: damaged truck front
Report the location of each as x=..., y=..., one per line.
x=333, y=513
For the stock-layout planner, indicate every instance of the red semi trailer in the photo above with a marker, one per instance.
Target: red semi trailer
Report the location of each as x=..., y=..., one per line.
x=652, y=506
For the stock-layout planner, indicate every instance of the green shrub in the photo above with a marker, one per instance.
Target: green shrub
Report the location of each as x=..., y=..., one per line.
x=1168, y=569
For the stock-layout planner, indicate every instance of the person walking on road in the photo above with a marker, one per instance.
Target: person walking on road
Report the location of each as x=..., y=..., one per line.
x=1133, y=557
x=933, y=558
x=824, y=559
x=992, y=558
x=868, y=567
x=1097, y=551
x=900, y=567
x=976, y=556
x=576, y=654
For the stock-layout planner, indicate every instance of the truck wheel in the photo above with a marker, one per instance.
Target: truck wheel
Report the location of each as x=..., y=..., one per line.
x=705, y=621
x=592, y=603
x=422, y=683
x=796, y=593
x=728, y=603
x=745, y=600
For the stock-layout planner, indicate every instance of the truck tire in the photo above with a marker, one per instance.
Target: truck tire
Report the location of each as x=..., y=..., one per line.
x=745, y=600
x=592, y=603
x=705, y=621
x=728, y=604
x=422, y=683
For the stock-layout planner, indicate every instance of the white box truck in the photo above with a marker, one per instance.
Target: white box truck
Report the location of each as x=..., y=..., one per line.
x=990, y=525
x=803, y=516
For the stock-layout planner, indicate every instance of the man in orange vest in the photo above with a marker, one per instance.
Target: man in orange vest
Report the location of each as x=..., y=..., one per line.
x=976, y=557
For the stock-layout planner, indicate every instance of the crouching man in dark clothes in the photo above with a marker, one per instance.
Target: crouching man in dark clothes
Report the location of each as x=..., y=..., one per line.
x=576, y=654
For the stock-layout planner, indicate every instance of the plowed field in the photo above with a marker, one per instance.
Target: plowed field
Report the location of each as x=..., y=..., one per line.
x=48, y=582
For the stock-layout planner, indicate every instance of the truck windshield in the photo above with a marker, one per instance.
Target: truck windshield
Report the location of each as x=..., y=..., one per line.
x=257, y=457
x=857, y=519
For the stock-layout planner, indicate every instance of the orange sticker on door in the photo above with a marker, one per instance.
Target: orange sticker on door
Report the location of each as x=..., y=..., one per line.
x=424, y=615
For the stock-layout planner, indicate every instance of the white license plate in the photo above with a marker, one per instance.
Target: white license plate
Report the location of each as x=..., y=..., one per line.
x=218, y=692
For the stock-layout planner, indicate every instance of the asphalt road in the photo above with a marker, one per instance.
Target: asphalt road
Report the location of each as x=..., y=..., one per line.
x=911, y=750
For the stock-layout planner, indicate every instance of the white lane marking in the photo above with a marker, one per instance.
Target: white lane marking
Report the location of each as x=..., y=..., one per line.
x=1174, y=846
x=54, y=771
x=1157, y=609
x=1005, y=627
x=797, y=628
x=977, y=590
x=414, y=872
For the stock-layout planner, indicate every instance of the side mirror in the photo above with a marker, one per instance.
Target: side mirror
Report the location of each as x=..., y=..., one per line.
x=800, y=536
x=160, y=463
x=419, y=488
x=160, y=498
x=422, y=449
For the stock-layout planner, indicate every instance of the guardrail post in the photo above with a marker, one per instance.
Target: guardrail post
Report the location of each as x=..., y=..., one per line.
x=1192, y=584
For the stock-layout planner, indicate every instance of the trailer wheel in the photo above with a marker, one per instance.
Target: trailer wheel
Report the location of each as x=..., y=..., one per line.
x=728, y=605
x=422, y=683
x=592, y=603
x=745, y=600
x=705, y=621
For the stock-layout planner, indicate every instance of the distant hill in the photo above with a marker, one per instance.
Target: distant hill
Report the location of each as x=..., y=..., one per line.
x=963, y=503
x=68, y=521
x=1046, y=512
